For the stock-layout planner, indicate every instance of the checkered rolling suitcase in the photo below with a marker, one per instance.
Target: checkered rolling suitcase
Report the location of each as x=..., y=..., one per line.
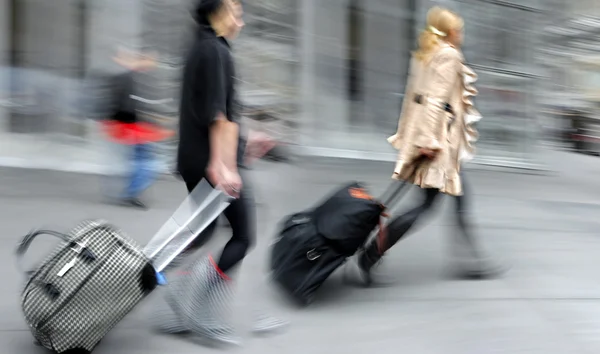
x=97, y=274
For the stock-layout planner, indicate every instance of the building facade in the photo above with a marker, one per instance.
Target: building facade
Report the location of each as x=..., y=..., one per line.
x=333, y=70
x=355, y=66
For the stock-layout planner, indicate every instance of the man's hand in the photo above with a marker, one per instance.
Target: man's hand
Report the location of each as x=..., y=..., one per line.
x=222, y=168
x=231, y=183
x=429, y=153
x=228, y=181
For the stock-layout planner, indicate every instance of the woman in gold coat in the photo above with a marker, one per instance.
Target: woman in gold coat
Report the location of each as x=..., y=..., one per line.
x=435, y=135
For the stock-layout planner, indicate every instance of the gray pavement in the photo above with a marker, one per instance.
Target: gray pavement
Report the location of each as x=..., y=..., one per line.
x=543, y=226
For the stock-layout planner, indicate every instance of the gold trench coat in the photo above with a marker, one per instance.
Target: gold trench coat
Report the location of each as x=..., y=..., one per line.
x=446, y=79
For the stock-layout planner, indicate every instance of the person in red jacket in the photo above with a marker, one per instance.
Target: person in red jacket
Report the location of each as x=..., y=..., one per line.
x=125, y=127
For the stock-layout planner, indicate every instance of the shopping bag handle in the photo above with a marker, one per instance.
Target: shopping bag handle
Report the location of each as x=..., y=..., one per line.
x=229, y=197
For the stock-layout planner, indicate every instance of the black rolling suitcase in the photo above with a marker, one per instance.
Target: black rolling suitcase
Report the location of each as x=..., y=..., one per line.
x=97, y=274
x=311, y=245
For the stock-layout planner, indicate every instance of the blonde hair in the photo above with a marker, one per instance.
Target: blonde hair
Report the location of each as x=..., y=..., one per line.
x=440, y=22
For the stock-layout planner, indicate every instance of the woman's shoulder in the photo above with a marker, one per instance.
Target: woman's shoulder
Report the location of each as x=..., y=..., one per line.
x=447, y=52
x=442, y=55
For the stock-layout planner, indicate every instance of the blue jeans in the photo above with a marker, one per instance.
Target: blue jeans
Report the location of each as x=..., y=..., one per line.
x=143, y=172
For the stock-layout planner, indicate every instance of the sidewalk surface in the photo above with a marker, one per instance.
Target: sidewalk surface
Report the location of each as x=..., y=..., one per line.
x=543, y=226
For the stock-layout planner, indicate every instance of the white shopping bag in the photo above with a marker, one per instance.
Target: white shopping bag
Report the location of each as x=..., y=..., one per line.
x=199, y=209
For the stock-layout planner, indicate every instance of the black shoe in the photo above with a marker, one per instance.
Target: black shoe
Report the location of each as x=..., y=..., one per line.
x=481, y=269
x=133, y=202
x=356, y=273
x=470, y=261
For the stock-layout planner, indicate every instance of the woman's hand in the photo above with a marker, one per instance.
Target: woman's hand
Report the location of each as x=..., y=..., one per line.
x=429, y=153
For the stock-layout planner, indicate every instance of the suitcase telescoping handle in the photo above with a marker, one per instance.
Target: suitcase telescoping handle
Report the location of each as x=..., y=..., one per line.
x=83, y=252
x=397, y=188
x=393, y=192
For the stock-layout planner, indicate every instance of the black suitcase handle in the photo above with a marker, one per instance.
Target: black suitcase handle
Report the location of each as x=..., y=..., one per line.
x=395, y=191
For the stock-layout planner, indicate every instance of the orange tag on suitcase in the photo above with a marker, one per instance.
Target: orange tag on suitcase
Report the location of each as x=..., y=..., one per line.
x=360, y=193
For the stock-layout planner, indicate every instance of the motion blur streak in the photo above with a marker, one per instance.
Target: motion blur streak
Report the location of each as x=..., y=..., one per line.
x=323, y=81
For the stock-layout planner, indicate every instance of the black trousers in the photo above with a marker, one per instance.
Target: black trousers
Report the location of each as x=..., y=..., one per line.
x=241, y=215
x=400, y=226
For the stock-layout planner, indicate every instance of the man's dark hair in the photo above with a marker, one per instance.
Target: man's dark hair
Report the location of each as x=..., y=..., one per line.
x=205, y=8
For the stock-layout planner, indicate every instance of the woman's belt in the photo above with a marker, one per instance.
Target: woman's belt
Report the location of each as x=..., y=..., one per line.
x=447, y=107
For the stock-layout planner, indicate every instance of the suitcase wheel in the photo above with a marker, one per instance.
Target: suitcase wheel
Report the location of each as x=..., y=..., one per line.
x=80, y=350
x=76, y=351
x=148, y=279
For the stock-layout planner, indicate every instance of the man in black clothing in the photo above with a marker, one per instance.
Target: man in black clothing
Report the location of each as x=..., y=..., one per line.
x=211, y=147
x=210, y=144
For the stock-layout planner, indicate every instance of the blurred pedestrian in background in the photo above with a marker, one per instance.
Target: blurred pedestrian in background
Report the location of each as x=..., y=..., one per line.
x=124, y=126
x=212, y=147
x=435, y=136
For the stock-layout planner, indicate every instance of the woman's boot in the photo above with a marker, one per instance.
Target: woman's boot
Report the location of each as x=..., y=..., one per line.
x=202, y=298
x=359, y=268
x=469, y=260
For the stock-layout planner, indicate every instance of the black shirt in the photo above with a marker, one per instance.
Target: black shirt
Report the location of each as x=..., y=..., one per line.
x=124, y=109
x=207, y=89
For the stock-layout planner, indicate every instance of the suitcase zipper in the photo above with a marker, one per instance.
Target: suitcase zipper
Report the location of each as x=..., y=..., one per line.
x=310, y=275
x=76, y=238
x=71, y=295
x=42, y=323
x=33, y=277
x=51, y=266
x=301, y=220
